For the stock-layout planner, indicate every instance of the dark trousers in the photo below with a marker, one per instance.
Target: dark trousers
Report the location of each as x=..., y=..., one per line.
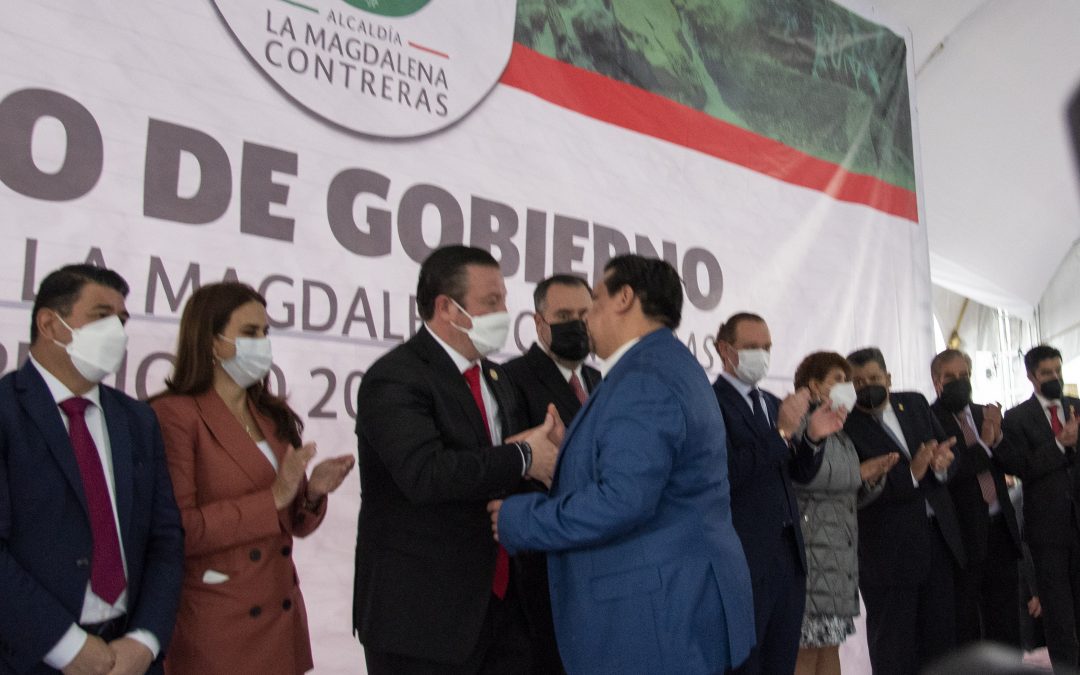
x=1057, y=574
x=779, y=601
x=987, y=592
x=908, y=627
x=503, y=647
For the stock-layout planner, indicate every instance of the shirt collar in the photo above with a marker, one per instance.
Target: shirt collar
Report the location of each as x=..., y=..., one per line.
x=460, y=362
x=59, y=390
x=566, y=372
x=1046, y=402
x=740, y=386
x=605, y=365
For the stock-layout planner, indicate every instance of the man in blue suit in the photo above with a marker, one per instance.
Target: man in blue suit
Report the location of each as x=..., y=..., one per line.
x=764, y=455
x=91, y=547
x=645, y=569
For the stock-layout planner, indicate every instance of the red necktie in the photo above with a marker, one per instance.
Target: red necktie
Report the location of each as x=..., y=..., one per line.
x=575, y=386
x=106, y=566
x=1055, y=423
x=986, y=481
x=502, y=560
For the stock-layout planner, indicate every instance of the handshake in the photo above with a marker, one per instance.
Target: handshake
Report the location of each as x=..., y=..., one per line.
x=544, y=440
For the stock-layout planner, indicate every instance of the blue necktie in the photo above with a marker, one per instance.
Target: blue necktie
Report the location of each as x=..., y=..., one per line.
x=759, y=411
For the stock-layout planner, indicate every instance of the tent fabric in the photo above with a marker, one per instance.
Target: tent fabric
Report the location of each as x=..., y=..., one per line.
x=1000, y=189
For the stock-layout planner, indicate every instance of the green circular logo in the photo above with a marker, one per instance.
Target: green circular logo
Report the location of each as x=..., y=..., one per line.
x=389, y=7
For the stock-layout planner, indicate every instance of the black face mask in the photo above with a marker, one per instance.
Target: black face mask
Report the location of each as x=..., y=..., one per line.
x=956, y=395
x=570, y=340
x=1051, y=389
x=871, y=396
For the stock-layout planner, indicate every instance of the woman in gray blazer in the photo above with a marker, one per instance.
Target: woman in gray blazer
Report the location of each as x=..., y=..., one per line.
x=829, y=523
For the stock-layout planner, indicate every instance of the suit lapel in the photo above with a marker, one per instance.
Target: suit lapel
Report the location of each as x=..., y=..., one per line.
x=232, y=438
x=38, y=404
x=121, y=448
x=498, y=384
x=906, y=428
x=592, y=378
x=551, y=377
x=737, y=401
x=450, y=381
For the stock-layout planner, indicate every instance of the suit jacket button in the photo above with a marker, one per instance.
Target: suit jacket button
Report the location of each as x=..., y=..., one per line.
x=255, y=555
x=286, y=604
x=82, y=563
x=286, y=550
x=255, y=611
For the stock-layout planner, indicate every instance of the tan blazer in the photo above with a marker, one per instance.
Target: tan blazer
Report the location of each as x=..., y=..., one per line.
x=240, y=610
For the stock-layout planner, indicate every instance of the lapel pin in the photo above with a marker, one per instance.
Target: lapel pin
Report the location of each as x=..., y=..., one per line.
x=900, y=406
x=492, y=374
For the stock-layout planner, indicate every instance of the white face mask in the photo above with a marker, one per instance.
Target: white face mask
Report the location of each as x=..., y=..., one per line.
x=843, y=395
x=252, y=361
x=96, y=349
x=488, y=332
x=753, y=365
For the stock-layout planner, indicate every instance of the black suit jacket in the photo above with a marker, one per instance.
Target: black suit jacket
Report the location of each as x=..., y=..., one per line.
x=761, y=467
x=425, y=556
x=1051, y=491
x=45, y=538
x=539, y=382
x=894, y=533
x=971, y=509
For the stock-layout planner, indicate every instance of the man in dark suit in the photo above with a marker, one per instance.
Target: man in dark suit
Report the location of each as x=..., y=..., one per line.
x=987, y=590
x=909, y=537
x=91, y=547
x=433, y=592
x=647, y=573
x=1040, y=447
x=763, y=458
x=552, y=372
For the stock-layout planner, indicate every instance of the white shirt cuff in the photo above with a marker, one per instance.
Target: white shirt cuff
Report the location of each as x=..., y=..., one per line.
x=69, y=646
x=914, y=480
x=146, y=638
x=942, y=476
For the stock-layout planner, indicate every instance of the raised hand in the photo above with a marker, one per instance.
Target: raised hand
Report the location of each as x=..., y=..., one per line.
x=792, y=410
x=874, y=468
x=825, y=421
x=544, y=452
x=991, y=426
x=291, y=472
x=1068, y=434
x=328, y=475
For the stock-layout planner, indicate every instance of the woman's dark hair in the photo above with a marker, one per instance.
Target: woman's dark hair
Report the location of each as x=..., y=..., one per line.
x=817, y=366
x=205, y=316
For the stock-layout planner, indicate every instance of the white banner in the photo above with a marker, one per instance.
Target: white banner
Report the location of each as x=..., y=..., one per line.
x=141, y=136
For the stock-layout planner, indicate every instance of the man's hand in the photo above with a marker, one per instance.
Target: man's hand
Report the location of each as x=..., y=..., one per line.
x=132, y=657
x=1068, y=434
x=991, y=426
x=493, y=508
x=824, y=422
x=559, y=429
x=544, y=451
x=943, y=455
x=1034, y=607
x=921, y=461
x=873, y=469
x=95, y=658
x=792, y=410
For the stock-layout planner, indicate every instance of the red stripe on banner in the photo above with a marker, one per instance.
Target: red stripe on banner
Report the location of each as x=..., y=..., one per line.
x=621, y=104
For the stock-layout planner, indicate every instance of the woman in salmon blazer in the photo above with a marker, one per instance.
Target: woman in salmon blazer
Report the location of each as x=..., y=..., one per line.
x=238, y=469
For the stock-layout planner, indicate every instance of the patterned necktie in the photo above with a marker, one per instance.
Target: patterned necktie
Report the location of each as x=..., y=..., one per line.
x=759, y=412
x=106, y=566
x=1055, y=423
x=971, y=439
x=579, y=391
x=501, y=579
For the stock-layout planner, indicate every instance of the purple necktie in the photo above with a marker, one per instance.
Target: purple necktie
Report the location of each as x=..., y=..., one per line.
x=106, y=566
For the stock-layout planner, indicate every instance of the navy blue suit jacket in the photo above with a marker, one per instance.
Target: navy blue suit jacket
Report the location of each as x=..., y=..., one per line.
x=646, y=571
x=45, y=540
x=761, y=467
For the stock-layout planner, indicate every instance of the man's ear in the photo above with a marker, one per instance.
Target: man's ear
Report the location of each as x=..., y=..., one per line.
x=624, y=299
x=888, y=380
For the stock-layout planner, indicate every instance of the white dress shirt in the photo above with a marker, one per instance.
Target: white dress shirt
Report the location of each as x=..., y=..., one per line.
x=94, y=609
x=605, y=365
x=1046, y=403
x=889, y=419
x=491, y=404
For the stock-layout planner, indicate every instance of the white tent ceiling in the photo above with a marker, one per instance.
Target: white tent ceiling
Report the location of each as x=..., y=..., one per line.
x=1000, y=184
